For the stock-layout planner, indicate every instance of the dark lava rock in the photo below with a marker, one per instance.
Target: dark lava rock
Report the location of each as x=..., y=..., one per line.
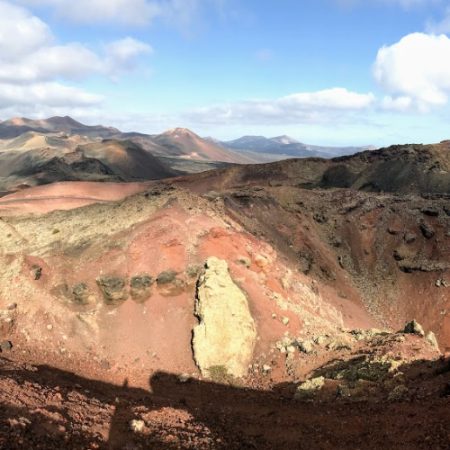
x=113, y=289
x=166, y=277
x=414, y=327
x=430, y=211
x=320, y=218
x=80, y=293
x=398, y=256
x=140, y=287
x=427, y=231
x=36, y=271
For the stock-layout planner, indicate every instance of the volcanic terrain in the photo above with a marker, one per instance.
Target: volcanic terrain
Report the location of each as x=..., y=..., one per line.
x=300, y=304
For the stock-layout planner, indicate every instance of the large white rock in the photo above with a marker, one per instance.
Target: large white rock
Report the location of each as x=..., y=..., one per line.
x=226, y=333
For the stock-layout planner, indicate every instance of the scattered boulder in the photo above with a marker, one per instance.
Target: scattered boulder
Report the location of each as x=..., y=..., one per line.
x=140, y=287
x=431, y=338
x=409, y=238
x=427, y=230
x=81, y=294
x=309, y=388
x=166, y=277
x=262, y=261
x=137, y=426
x=6, y=346
x=36, y=272
x=320, y=217
x=399, y=393
x=113, y=289
x=414, y=327
x=245, y=261
x=183, y=378
x=430, y=211
x=305, y=263
x=226, y=333
x=306, y=346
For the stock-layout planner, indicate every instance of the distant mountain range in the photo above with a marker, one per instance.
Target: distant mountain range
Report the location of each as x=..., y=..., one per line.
x=36, y=152
x=288, y=147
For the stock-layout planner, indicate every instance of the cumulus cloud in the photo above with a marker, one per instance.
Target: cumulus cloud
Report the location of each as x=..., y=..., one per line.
x=51, y=94
x=20, y=32
x=32, y=64
x=415, y=72
x=305, y=107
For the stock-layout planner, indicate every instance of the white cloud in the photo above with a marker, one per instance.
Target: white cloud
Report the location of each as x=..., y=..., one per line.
x=32, y=64
x=20, y=32
x=124, y=53
x=51, y=94
x=306, y=107
x=335, y=99
x=415, y=71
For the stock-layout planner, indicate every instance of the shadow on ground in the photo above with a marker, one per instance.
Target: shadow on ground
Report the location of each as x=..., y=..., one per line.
x=46, y=408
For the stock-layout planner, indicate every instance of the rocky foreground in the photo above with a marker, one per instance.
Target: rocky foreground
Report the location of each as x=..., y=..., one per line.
x=370, y=397
x=256, y=307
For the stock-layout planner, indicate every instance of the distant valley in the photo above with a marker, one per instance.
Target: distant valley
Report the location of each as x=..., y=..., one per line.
x=36, y=152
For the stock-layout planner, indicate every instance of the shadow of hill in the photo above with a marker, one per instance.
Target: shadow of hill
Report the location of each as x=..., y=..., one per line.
x=47, y=408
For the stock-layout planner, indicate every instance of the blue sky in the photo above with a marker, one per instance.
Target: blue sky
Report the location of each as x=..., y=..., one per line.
x=330, y=72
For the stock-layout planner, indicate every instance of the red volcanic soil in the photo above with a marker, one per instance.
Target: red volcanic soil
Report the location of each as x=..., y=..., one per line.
x=315, y=265
x=66, y=195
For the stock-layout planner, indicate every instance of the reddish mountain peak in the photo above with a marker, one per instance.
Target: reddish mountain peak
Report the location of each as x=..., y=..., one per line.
x=181, y=132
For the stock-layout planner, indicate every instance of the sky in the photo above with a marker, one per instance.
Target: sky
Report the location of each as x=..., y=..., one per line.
x=326, y=72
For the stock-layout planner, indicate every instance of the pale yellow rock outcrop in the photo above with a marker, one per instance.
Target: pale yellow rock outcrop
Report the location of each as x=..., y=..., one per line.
x=226, y=334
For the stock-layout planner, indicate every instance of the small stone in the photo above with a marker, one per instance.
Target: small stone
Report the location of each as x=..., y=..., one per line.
x=410, y=238
x=427, y=231
x=343, y=391
x=6, y=346
x=285, y=320
x=431, y=339
x=11, y=306
x=290, y=349
x=320, y=340
x=306, y=346
x=274, y=316
x=414, y=327
x=183, y=378
x=309, y=388
x=49, y=327
x=266, y=368
x=398, y=393
x=137, y=426
x=244, y=261
x=36, y=272
x=438, y=283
